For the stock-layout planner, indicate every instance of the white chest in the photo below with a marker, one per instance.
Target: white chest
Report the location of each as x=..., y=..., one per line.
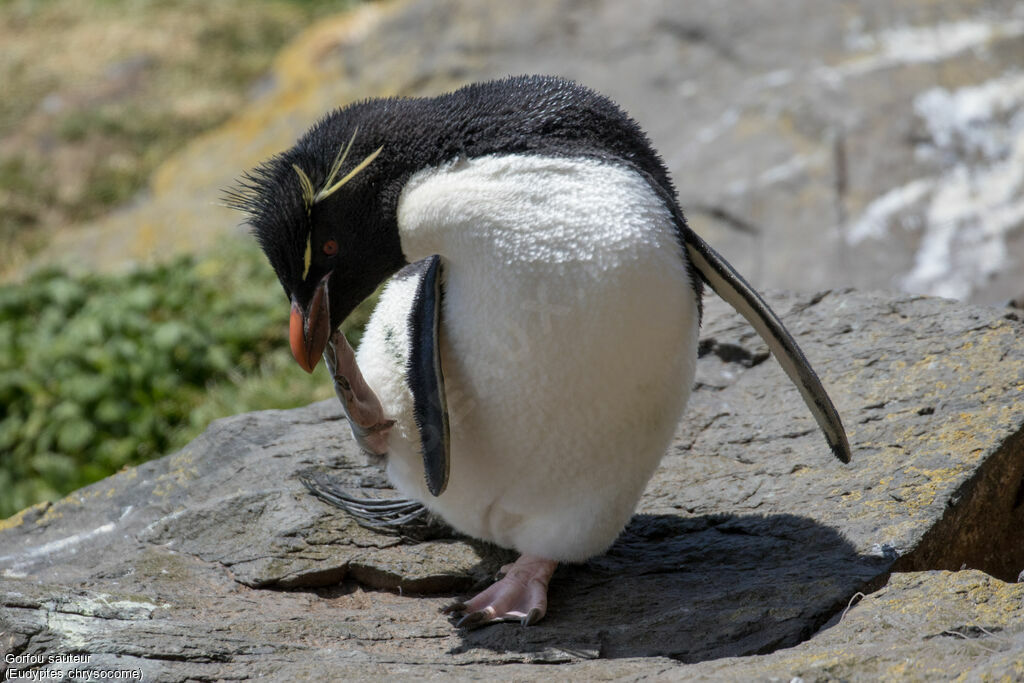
x=568, y=347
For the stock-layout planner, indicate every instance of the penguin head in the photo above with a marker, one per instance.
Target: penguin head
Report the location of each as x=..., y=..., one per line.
x=325, y=211
x=324, y=214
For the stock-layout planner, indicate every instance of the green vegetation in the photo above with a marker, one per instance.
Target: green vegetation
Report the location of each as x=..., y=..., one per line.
x=100, y=372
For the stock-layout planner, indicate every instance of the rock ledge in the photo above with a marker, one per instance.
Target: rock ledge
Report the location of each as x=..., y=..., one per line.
x=215, y=562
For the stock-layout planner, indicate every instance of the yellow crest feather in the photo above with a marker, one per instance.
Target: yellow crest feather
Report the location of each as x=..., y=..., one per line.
x=307, y=187
x=339, y=159
x=329, y=190
x=307, y=258
x=310, y=196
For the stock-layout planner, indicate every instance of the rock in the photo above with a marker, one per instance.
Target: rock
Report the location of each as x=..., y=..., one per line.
x=922, y=626
x=215, y=562
x=815, y=145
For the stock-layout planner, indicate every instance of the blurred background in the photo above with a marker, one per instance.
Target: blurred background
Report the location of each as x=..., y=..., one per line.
x=855, y=143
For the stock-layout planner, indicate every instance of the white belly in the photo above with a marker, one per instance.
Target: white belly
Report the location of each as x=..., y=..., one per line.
x=569, y=336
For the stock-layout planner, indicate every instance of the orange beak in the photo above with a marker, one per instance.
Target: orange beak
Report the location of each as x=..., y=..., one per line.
x=309, y=330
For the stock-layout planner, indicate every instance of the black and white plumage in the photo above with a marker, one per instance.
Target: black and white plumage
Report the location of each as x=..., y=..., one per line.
x=526, y=373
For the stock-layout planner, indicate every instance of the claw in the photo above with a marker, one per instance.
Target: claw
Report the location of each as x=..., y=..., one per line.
x=474, y=620
x=454, y=607
x=532, y=617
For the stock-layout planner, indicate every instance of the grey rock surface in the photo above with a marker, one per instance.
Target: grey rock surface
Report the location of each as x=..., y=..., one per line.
x=865, y=143
x=215, y=563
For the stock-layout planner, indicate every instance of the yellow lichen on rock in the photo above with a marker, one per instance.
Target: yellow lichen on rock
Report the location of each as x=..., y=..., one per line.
x=18, y=518
x=181, y=472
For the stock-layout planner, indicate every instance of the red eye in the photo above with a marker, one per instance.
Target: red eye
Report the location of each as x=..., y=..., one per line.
x=330, y=247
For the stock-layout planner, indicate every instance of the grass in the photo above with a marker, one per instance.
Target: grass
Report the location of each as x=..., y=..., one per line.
x=102, y=372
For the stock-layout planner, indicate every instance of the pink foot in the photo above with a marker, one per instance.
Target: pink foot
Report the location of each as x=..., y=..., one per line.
x=520, y=595
x=362, y=407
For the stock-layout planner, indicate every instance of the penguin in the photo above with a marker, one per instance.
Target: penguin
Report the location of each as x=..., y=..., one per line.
x=535, y=346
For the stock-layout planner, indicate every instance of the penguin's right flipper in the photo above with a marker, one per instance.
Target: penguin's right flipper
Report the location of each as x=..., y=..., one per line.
x=731, y=286
x=425, y=376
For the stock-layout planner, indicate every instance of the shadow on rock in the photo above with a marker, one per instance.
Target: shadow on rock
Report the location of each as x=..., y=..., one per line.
x=695, y=588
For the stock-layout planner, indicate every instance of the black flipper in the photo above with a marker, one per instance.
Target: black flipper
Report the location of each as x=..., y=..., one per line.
x=426, y=379
x=731, y=286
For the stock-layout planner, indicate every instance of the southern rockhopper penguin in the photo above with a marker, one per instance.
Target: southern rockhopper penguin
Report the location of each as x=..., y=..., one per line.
x=523, y=377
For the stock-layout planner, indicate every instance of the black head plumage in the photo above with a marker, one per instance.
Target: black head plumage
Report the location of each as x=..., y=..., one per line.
x=518, y=115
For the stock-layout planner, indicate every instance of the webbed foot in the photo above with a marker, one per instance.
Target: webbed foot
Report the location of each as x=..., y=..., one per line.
x=521, y=594
x=362, y=407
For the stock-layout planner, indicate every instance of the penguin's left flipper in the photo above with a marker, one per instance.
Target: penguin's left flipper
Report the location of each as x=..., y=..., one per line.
x=362, y=407
x=426, y=377
x=731, y=286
